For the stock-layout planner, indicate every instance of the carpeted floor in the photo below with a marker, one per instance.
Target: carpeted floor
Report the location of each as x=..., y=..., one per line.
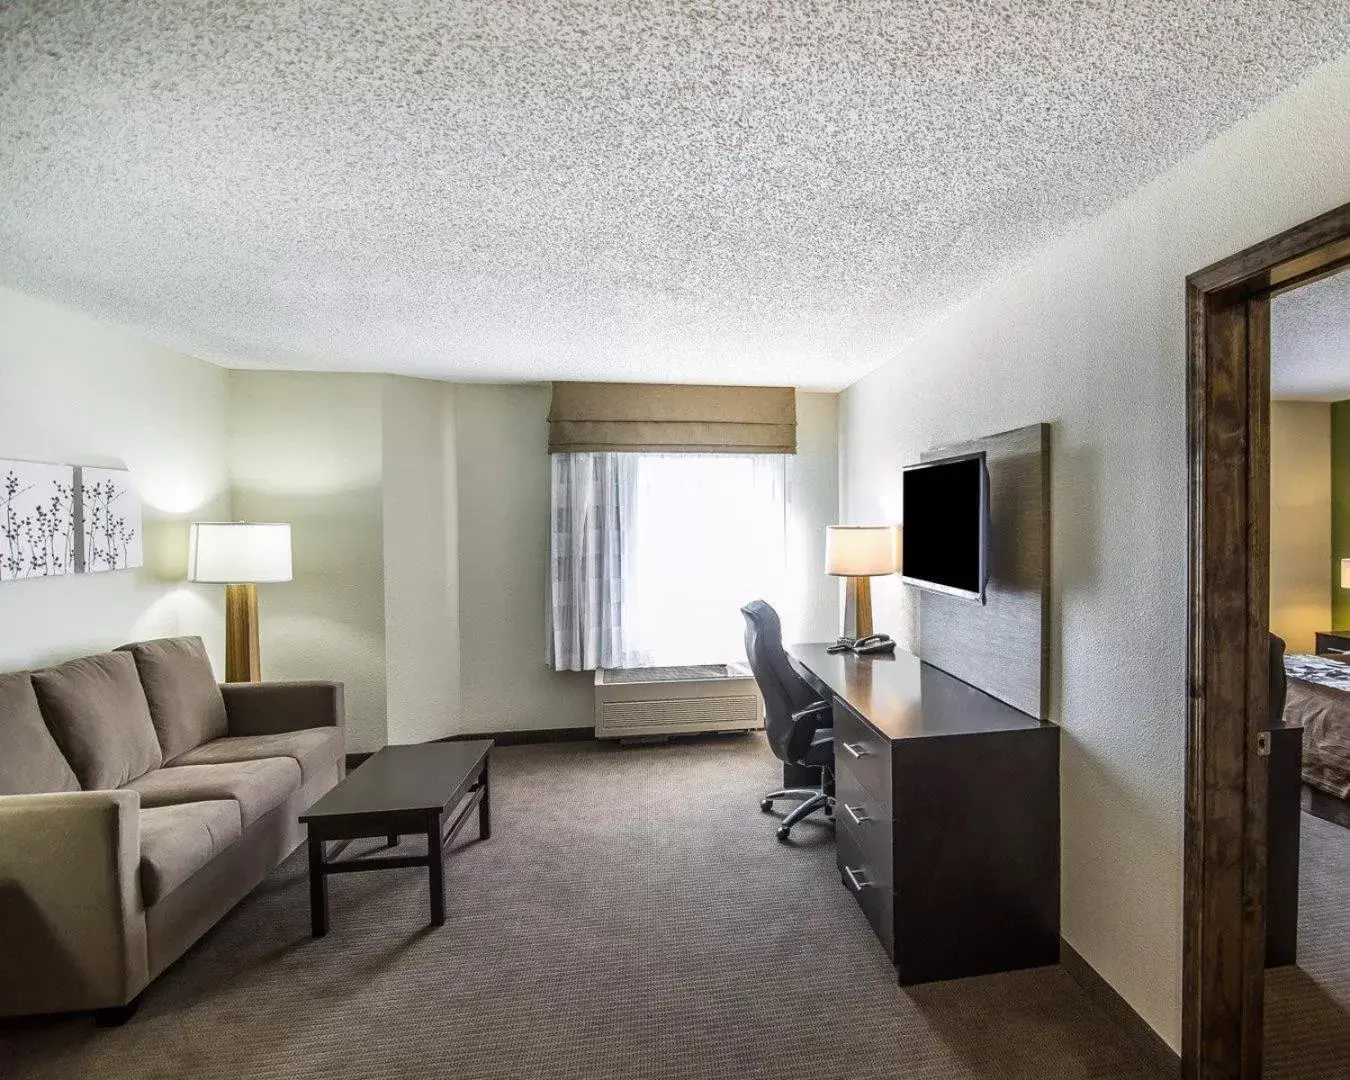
x=1308, y=1006
x=631, y=917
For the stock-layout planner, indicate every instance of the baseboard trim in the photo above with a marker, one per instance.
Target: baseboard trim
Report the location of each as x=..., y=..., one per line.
x=529, y=737
x=1105, y=997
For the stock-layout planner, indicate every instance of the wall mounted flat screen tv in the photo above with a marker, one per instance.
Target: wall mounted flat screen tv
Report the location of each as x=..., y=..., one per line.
x=944, y=544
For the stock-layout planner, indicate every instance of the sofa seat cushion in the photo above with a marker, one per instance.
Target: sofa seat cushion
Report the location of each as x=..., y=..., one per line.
x=96, y=710
x=257, y=786
x=186, y=706
x=30, y=761
x=315, y=749
x=179, y=839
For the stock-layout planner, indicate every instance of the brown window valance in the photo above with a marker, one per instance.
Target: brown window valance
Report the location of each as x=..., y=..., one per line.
x=656, y=417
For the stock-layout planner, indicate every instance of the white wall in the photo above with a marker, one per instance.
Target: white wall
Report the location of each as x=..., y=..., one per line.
x=1300, y=521
x=1090, y=335
x=308, y=449
x=77, y=391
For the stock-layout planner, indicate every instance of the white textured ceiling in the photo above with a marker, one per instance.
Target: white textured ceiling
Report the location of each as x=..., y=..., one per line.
x=720, y=191
x=1310, y=341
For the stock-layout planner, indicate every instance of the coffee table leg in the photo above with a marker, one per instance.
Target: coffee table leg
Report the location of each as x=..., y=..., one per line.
x=318, y=888
x=436, y=867
x=484, y=806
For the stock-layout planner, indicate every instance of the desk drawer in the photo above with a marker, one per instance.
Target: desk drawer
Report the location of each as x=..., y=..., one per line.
x=869, y=880
x=860, y=750
x=866, y=817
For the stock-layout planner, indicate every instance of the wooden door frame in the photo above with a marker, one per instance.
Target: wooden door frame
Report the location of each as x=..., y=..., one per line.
x=1228, y=447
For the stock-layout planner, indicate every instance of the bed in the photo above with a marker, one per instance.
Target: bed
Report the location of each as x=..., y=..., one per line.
x=1319, y=702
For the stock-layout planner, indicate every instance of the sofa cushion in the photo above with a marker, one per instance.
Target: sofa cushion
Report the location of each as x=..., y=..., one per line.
x=316, y=749
x=257, y=786
x=178, y=840
x=30, y=761
x=180, y=687
x=96, y=710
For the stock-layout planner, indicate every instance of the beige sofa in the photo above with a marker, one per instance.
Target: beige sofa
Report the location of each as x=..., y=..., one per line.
x=139, y=802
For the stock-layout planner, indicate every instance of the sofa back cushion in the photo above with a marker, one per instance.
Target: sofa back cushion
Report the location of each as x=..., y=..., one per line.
x=97, y=712
x=185, y=702
x=30, y=761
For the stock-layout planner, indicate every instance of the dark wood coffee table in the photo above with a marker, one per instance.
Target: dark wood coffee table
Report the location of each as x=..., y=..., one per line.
x=431, y=788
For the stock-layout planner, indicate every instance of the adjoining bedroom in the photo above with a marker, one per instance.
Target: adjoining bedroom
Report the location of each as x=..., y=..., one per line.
x=1308, y=884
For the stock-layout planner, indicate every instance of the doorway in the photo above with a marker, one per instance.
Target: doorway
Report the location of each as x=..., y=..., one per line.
x=1228, y=666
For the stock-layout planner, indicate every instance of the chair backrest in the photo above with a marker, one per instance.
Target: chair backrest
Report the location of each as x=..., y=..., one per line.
x=784, y=690
x=1279, y=682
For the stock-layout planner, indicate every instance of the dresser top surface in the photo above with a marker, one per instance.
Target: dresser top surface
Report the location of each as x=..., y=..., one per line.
x=904, y=698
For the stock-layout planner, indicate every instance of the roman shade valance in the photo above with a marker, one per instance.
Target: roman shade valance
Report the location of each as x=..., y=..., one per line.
x=652, y=417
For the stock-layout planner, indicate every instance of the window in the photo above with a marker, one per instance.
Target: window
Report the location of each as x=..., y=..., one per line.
x=707, y=536
x=654, y=554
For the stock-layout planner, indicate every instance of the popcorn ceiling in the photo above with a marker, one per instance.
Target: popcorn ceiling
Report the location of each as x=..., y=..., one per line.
x=1310, y=341
x=772, y=192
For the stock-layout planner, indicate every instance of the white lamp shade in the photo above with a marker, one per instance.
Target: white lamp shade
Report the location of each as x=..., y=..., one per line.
x=859, y=550
x=1345, y=573
x=239, y=552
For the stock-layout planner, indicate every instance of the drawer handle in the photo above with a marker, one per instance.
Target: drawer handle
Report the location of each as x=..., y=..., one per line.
x=857, y=750
x=853, y=812
x=856, y=879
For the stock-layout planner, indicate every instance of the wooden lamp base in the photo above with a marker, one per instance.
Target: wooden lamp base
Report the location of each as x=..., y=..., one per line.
x=241, y=634
x=857, y=608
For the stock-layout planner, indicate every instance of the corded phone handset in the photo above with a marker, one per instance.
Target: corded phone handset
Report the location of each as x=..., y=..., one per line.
x=876, y=643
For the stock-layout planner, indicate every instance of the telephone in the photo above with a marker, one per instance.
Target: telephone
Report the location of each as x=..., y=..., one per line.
x=877, y=643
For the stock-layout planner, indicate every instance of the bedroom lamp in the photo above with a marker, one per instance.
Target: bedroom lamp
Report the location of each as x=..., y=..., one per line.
x=859, y=553
x=241, y=555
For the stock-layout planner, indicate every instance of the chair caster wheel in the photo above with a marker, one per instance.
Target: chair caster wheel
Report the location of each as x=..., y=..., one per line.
x=766, y=805
x=783, y=833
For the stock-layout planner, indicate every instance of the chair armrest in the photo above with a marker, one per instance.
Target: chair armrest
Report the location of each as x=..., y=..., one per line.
x=820, y=708
x=269, y=708
x=72, y=928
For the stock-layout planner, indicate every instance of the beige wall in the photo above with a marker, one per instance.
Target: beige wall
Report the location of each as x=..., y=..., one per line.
x=1089, y=334
x=503, y=560
x=308, y=449
x=421, y=560
x=77, y=391
x=1300, y=521
x=813, y=503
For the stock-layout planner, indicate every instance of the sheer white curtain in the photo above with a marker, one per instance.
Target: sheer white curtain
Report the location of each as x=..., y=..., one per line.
x=591, y=506
x=653, y=555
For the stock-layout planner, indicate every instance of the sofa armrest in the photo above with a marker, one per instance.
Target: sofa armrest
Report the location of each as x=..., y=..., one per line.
x=72, y=929
x=268, y=708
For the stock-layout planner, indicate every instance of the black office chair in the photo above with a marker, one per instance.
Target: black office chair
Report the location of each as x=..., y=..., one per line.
x=796, y=720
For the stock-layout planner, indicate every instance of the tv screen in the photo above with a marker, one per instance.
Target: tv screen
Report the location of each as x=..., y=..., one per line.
x=944, y=543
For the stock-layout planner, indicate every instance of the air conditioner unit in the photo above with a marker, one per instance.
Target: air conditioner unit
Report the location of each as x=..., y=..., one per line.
x=636, y=702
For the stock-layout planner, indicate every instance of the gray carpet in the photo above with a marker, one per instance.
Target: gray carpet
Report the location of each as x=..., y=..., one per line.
x=631, y=917
x=1308, y=1006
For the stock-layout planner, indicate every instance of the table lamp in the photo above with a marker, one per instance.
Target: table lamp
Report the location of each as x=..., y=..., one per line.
x=859, y=553
x=241, y=555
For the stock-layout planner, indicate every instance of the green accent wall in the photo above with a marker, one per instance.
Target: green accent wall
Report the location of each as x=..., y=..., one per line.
x=1340, y=511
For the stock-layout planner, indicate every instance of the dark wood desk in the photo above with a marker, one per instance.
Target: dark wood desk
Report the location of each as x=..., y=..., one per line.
x=947, y=816
x=430, y=788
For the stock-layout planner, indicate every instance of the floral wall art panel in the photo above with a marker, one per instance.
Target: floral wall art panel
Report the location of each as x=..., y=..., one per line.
x=110, y=517
x=37, y=520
